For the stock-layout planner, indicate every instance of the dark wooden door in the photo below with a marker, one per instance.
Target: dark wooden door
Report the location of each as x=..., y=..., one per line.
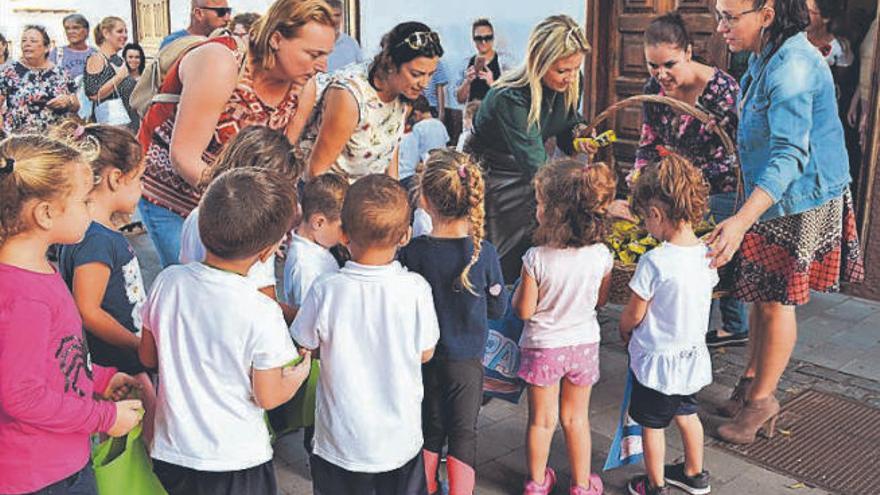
x=616, y=70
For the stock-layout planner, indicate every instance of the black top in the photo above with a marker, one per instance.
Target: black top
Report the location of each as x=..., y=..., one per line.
x=463, y=316
x=479, y=87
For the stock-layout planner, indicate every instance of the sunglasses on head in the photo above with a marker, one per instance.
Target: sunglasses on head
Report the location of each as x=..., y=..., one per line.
x=420, y=39
x=220, y=11
x=484, y=39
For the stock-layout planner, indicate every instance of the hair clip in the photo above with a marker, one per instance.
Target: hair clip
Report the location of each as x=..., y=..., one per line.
x=462, y=171
x=663, y=151
x=79, y=132
x=8, y=166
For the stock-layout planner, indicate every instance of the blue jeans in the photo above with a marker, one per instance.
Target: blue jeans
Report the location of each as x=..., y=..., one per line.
x=163, y=226
x=80, y=483
x=734, y=317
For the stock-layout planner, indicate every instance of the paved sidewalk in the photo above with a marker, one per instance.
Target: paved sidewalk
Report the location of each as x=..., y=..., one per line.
x=838, y=351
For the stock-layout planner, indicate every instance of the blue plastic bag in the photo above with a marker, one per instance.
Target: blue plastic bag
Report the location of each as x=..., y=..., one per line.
x=501, y=357
x=626, y=448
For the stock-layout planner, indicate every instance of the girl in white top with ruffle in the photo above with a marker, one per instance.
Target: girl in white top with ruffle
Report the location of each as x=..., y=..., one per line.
x=665, y=322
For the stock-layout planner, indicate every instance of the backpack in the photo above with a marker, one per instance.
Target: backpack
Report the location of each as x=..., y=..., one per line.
x=146, y=91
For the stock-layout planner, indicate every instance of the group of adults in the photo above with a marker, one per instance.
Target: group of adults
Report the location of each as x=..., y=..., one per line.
x=46, y=85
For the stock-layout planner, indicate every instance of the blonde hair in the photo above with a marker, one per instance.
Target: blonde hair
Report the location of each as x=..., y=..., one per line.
x=554, y=38
x=106, y=23
x=453, y=185
x=31, y=167
x=575, y=197
x=286, y=17
x=674, y=184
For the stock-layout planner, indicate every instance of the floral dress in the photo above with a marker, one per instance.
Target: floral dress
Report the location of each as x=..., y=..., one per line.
x=371, y=146
x=26, y=92
x=691, y=138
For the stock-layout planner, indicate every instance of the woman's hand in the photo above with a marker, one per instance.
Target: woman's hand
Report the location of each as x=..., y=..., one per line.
x=726, y=239
x=61, y=102
x=120, y=387
x=128, y=415
x=587, y=147
x=487, y=76
x=619, y=208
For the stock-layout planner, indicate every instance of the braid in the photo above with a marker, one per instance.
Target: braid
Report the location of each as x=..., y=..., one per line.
x=476, y=217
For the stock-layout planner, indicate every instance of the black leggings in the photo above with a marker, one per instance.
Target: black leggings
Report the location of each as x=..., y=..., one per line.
x=453, y=394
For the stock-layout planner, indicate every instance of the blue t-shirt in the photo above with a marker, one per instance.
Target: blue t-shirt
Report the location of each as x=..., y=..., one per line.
x=73, y=61
x=462, y=315
x=440, y=78
x=123, y=297
x=346, y=51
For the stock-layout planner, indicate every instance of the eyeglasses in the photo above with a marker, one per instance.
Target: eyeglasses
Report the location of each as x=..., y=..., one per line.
x=220, y=11
x=730, y=20
x=421, y=39
x=484, y=39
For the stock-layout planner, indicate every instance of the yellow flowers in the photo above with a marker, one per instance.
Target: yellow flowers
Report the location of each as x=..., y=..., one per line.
x=628, y=241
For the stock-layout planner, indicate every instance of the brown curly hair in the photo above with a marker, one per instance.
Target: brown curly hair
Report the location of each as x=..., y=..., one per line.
x=108, y=146
x=453, y=185
x=674, y=184
x=575, y=197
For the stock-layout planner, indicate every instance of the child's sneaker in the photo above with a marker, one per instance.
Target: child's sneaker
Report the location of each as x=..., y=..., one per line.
x=695, y=485
x=641, y=486
x=533, y=488
x=595, y=488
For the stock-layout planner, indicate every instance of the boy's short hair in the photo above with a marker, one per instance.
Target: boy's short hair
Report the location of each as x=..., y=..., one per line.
x=421, y=104
x=376, y=212
x=324, y=194
x=244, y=211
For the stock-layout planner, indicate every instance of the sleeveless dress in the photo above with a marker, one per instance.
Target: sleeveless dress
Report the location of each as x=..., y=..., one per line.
x=163, y=186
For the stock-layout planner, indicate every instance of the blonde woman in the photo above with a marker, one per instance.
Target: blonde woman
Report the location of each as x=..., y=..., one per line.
x=219, y=97
x=106, y=77
x=521, y=111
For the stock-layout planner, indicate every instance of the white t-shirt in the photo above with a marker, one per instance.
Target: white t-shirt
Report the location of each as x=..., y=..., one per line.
x=422, y=224
x=212, y=328
x=568, y=290
x=668, y=350
x=372, y=324
x=306, y=261
x=192, y=249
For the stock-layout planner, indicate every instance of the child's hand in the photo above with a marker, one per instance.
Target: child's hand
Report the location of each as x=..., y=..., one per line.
x=121, y=387
x=300, y=372
x=128, y=415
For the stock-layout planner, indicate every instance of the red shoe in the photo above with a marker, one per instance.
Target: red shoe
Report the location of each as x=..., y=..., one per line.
x=533, y=488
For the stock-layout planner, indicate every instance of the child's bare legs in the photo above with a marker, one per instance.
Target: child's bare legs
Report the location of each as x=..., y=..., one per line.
x=543, y=411
x=575, y=419
x=654, y=445
x=692, y=437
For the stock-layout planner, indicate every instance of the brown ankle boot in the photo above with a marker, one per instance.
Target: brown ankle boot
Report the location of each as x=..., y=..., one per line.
x=754, y=414
x=734, y=404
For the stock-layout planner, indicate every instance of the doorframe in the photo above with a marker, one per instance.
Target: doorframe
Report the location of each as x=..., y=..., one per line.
x=598, y=29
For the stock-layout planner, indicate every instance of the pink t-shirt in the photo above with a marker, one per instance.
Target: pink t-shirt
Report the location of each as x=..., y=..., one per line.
x=47, y=410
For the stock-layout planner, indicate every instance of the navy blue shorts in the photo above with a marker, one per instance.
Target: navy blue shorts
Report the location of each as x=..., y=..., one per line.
x=653, y=409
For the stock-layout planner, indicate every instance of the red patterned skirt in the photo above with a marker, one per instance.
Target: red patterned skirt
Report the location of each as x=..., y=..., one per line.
x=781, y=260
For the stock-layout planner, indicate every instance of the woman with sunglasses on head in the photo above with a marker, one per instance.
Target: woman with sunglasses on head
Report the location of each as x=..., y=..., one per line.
x=358, y=123
x=796, y=231
x=521, y=111
x=222, y=89
x=482, y=69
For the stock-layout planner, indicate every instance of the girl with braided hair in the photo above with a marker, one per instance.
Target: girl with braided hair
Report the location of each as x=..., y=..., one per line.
x=564, y=279
x=465, y=277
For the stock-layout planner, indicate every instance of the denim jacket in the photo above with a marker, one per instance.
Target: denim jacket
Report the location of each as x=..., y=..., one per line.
x=790, y=137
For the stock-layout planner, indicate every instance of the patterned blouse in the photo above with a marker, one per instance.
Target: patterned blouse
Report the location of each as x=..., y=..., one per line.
x=371, y=146
x=26, y=91
x=163, y=186
x=687, y=135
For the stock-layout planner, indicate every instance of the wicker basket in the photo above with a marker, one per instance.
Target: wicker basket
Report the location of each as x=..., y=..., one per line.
x=622, y=273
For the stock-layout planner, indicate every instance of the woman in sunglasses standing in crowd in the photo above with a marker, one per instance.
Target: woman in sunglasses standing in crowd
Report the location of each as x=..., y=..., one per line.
x=359, y=119
x=220, y=94
x=482, y=69
x=521, y=111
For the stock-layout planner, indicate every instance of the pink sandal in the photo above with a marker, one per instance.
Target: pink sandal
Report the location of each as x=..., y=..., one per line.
x=533, y=488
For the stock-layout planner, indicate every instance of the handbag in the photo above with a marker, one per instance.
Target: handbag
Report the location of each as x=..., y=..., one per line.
x=122, y=467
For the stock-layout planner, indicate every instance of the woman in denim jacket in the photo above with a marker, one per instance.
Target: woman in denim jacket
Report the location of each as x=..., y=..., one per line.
x=796, y=231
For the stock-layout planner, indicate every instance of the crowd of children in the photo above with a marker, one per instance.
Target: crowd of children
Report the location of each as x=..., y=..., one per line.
x=399, y=323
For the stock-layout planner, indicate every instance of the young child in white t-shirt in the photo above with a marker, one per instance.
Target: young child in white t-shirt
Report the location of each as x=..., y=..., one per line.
x=254, y=147
x=665, y=323
x=565, y=278
x=221, y=345
x=308, y=256
x=374, y=324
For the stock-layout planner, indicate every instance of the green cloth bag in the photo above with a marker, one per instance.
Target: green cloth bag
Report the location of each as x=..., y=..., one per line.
x=122, y=467
x=299, y=411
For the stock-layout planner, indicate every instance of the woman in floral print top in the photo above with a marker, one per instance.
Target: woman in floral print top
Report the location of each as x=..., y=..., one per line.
x=36, y=92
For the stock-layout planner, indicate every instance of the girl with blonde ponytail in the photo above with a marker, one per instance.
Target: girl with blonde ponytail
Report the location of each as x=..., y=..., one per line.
x=564, y=280
x=465, y=277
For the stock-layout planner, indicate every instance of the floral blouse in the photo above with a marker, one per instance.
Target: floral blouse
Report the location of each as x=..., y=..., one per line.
x=26, y=91
x=688, y=136
x=371, y=146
